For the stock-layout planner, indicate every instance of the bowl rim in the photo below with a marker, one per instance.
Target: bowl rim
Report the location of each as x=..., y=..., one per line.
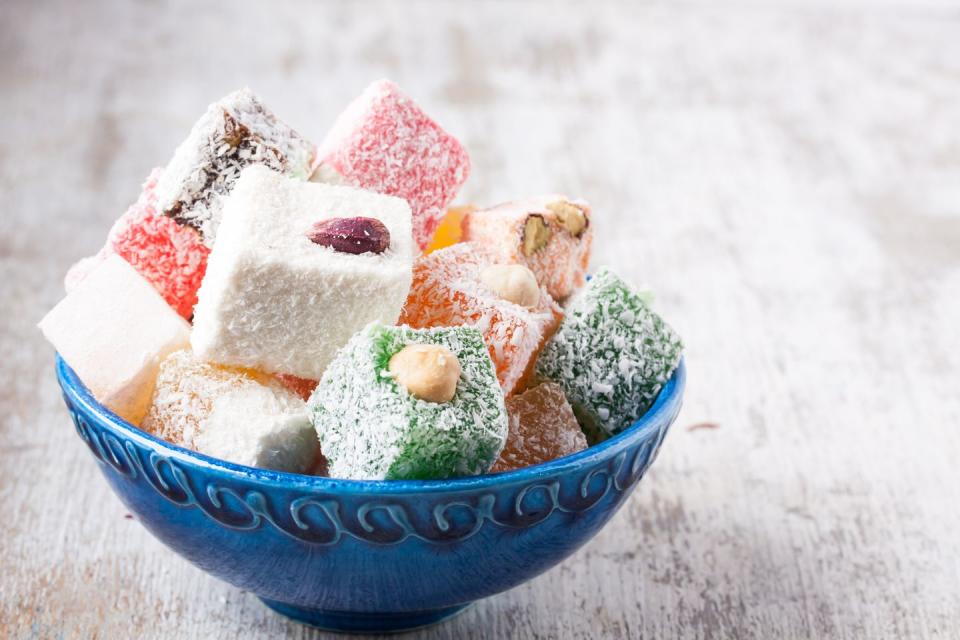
x=664, y=409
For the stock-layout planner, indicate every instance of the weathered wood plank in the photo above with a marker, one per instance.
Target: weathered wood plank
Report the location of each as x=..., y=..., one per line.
x=784, y=177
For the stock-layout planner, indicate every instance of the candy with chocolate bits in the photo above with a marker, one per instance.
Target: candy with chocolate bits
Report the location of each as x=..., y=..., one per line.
x=405, y=403
x=542, y=428
x=235, y=132
x=461, y=285
x=610, y=356
x=549, y=234
x=384, y=142
x=231, y=413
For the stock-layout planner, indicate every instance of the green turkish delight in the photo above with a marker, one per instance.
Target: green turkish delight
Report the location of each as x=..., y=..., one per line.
x=611, y=355
x=402, y=403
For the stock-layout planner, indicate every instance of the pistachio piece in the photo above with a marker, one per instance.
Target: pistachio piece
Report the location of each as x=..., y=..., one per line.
x=569, y=215
x=513, y=282
x=536, y=234
x=428, y=371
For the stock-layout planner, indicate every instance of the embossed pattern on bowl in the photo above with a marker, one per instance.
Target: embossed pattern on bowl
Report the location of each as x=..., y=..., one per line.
x=366, y=555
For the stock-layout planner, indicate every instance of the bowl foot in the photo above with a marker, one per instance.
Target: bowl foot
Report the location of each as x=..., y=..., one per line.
x=357, y=622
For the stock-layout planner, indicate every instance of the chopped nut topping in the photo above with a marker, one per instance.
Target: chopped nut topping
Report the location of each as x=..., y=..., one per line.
x=569, y=215
x=536, y=234
x=233, y=131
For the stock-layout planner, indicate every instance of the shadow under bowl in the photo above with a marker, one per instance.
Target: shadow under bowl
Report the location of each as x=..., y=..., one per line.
x=368, y=556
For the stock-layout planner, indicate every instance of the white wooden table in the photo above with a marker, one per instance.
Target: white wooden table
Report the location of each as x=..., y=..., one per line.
x=787, y=178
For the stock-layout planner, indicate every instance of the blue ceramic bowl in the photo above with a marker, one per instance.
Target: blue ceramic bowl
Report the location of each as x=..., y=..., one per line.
x=367, y=556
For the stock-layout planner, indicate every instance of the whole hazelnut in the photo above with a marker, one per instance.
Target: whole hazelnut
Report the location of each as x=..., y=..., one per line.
x=570, y=216
x=428, y=371
x=513, y=282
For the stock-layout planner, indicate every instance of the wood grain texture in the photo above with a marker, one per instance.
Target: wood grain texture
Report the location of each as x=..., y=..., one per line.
x=787, y=178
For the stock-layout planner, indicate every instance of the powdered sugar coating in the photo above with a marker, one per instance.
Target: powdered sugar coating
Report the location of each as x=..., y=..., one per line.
x=231, y=413
x=447, y=291
x=169, y=256
x=114, y=329
x=611, y=355
x=235, y=132
x=80, y=269
x=371, y=428
x=385, y=142
x=561, y=265
x=542, y=428
x=274, y=301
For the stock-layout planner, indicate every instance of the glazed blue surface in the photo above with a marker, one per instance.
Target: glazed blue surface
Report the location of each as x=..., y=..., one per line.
x=365, y=555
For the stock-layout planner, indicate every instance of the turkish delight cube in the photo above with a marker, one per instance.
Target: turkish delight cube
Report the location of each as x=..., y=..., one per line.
x=234, y=414
x=452, y=287
x=611, y=354
x=542, y=427
x=298, y=268
x=450, y=232
x=549, y=234
x=235, y=132
x=406, y=403
x=170, y=256
x=385, y=142
x=114, y=329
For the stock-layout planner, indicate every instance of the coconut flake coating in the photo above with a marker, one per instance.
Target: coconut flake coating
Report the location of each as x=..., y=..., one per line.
x=235, y=132
x=560, y=265
x=384, y=141
x=611, y=355
x=169, y=256
x=275, y=301
x=371, y=428
x=542, y=428
x=231, y=413
x=447, y=291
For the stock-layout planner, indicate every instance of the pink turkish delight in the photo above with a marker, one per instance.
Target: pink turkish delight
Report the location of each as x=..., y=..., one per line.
x=170, y=256
x=384, y=142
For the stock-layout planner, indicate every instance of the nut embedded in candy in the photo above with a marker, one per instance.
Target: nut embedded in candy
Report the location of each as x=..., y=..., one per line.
x=447, y=290
x=536, y=234
x=351, y=235
x=371, y=428
x=451, y=361
x=428, y=371
x=513, y=282
x=558, y=258
x=569, y=215
x=295, y=319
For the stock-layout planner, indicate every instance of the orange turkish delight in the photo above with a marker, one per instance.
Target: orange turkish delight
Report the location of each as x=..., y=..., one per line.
x=463, y=285
x=542, y=428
